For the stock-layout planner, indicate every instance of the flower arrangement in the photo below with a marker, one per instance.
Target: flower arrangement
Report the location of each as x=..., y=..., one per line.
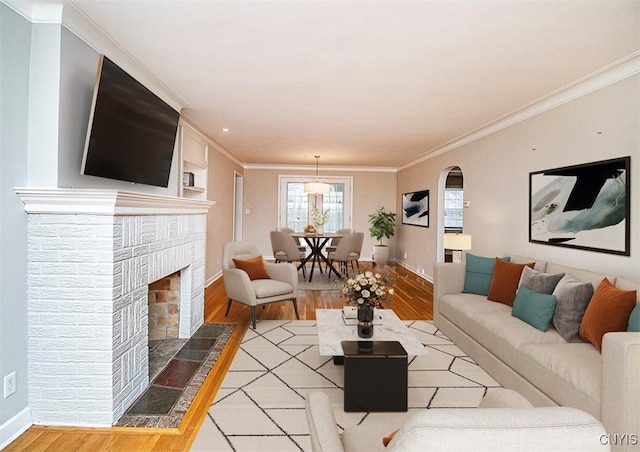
x=319, y=218
x=367, y=288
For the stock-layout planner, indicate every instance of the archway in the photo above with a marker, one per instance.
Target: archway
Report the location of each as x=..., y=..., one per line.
x=450, y=208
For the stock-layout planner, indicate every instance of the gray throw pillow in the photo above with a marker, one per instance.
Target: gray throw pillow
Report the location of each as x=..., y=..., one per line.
x=573, y=297
x=539, y=282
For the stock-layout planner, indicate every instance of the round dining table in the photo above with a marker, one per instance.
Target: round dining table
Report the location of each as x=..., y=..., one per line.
x=316, y=242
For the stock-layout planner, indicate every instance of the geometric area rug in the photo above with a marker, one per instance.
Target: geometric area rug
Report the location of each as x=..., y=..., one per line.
x=260, y=404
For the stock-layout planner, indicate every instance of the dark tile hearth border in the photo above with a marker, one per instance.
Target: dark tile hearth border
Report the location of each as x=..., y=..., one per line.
x=136, y=416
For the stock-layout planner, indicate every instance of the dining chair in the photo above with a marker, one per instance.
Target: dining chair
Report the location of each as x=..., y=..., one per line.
x=285, y=249
x=301, y=246
x=333, y=244
x=347, y=251
x=260, y=283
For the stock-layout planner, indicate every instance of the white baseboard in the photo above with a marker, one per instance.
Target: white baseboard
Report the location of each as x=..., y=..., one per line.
x=15, y=427
x=213, y=279
x=415, y=271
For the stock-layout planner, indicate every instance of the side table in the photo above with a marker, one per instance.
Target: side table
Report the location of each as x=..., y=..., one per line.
x=375, y=376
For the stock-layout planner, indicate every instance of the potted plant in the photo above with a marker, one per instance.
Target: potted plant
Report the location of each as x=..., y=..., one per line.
x=383, y=224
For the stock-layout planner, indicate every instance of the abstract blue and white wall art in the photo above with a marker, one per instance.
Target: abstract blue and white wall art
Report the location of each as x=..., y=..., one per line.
x=583, y=206
x=415, y=208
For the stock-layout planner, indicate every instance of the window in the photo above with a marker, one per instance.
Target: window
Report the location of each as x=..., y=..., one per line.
x=453, y=208
x=295, y=205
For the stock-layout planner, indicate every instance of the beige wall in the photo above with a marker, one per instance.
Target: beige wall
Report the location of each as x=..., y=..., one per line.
x=370, y=191
x=221, y=175
x=496, y=177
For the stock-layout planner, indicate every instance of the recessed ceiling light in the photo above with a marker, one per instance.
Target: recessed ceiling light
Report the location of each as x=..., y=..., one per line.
x=225, y=130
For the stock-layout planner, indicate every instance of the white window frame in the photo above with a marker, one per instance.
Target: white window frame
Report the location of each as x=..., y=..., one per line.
x=283, y=182
x=461, y=207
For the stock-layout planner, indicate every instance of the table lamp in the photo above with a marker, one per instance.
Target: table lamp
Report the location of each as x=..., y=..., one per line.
x=457, y=242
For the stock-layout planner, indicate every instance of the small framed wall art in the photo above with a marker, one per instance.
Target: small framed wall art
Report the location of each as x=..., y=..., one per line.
x=583, y=206
x=415, y=208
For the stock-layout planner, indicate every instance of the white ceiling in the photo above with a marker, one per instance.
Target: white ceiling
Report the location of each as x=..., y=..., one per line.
x=358, y=82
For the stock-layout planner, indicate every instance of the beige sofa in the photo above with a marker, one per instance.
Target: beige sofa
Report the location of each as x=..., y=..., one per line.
x=542, y=366
x=504, y=421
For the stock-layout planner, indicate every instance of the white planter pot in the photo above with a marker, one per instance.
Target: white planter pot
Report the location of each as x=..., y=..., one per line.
x=381, y=254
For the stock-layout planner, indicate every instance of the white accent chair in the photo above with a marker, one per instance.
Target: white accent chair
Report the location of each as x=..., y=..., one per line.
x=504, y=421
x=283, y=284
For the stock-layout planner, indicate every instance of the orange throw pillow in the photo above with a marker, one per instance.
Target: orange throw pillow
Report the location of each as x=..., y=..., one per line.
x=387, y=439
x=609, y=310
x=505, y=279
x=254, y=267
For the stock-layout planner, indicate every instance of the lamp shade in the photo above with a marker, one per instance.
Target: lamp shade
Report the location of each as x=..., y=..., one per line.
x=316, y=187
x=454, y=241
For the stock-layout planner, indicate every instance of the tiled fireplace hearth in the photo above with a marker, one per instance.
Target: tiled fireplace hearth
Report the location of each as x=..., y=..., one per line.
x=92, y=255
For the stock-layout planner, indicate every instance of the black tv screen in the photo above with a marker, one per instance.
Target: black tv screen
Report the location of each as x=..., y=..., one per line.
x=131, y=133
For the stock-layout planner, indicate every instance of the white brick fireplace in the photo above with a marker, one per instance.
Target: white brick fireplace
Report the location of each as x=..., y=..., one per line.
x=91, y=256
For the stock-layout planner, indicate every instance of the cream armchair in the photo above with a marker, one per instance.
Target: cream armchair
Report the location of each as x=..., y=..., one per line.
x=282, y=285
x=504, y=421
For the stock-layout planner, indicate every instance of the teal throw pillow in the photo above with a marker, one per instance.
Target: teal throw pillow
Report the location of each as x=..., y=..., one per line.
x=534, y=308
x=634, y=320
x=478, y=273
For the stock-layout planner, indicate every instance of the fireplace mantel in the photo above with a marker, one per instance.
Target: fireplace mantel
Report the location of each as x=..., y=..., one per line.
x=107, y=202
x=91, y=257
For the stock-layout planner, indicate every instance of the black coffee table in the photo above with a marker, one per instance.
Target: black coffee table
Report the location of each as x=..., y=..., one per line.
x=375, y=376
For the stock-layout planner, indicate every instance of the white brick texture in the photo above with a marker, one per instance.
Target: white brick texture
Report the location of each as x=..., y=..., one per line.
x=88, y=278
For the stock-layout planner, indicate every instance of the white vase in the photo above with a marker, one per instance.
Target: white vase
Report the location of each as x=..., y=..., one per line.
x=381, y=254
x=319, y=228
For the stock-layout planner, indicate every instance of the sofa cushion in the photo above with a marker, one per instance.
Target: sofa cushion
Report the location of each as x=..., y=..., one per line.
x=573, y=297
x=478, y=273
x=570, y=374
x=608, y=311
x=462, y=309
x=539, y=266
x=579, y=274
x=498, y=429
x=627, y=284
x=539, y=282
x=504, y=281
x=502, y=334
x=534, y=308
x=266, y=288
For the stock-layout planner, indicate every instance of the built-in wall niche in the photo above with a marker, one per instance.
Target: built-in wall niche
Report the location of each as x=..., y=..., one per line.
x=194, y=150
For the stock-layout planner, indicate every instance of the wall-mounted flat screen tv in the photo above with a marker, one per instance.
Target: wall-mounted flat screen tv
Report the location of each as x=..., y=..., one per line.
x=131, y=133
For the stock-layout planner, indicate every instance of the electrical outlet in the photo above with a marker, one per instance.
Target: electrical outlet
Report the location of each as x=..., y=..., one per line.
x=405, y=254
x=9, y=384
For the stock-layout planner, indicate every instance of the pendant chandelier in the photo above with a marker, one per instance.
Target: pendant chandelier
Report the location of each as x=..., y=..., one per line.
x=316, y=187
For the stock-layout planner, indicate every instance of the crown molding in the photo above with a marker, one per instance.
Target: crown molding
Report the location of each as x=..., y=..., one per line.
x=187, y=120
x=346, y=169
x=68, y=15
x=615, y=72
x=38, y=12
x=95, y=37
x=106, y=202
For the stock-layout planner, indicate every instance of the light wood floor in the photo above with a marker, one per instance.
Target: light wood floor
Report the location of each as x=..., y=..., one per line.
x=413, y=301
